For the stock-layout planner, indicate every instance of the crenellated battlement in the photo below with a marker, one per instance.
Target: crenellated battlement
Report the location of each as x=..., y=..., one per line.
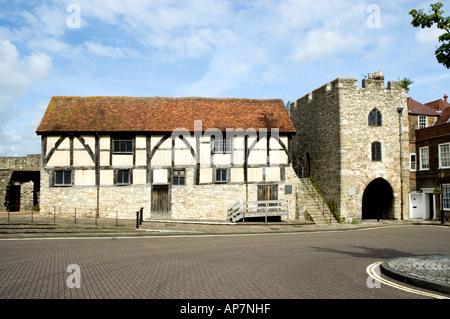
x=373, y=82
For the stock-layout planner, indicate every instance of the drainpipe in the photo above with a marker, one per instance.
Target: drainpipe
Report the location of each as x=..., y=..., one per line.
x=97, y=170
x=400, y=111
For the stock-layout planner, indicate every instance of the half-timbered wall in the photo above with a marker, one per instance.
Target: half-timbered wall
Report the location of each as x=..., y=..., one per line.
x=98, y=184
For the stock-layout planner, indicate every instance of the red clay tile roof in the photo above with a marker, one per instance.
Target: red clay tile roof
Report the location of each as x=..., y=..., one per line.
x=418, y=108
x=439, y=105
x=161, y=114
x=444, y=117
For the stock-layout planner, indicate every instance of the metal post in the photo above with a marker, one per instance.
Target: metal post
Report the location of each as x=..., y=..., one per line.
x=137, y=220
x=116, y=218
x=141, y=212
x=75, y=216
x=267, y=204
x=54, y=214
x=32, y=215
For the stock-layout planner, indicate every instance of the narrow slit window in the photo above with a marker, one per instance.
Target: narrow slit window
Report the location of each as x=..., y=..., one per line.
x=376, y=152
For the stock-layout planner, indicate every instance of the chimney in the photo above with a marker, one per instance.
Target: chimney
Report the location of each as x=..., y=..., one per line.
x=445, y=98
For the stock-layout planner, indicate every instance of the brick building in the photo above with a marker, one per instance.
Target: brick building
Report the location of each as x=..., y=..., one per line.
x=433, y=146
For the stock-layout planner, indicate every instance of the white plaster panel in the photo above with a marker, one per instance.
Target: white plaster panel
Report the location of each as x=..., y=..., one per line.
x=139, y=177
x=162, y=158
x=107, y=177
x=141, y=157
x=59, y=158
x=239, y=157
x=273, y=174
x=84, y=177
x=184, y=157
x=255, y=174
x=206, y=175
x=160, y=176
x=82, y=158
x=105, y=142
x=104, y=158
x=205, y=154
x=257, y=157
x=122, y=160
x=141, y=141
x=222, y=159
x=237, y=175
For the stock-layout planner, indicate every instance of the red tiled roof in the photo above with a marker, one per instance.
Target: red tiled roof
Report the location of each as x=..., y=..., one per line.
x=439, y=105
x=444, y=117
x=418, y=108
x=161, y=114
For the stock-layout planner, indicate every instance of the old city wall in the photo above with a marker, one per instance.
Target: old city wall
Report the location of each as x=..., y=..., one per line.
x=24, y=167
x=317, y=142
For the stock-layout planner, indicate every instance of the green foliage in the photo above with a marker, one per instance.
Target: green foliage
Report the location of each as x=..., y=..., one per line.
x=436, y=17
x=405, y=83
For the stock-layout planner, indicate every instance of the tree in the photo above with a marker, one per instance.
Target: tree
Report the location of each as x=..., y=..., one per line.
x=436, y=16
x=405, y=83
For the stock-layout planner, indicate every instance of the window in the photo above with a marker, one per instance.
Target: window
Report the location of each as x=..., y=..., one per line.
x=444, y=155
x=63, y=178
x=424, y=158
x=123, y=145
x=446, y=197
x=221, y=175
x=222, y=146
x=413, y=162
x=374, y=118
x=179, y=177
x=376, y=152
x=123, y=177
x=422, y=121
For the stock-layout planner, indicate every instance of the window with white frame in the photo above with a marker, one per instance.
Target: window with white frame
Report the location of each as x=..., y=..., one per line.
x=444, y=155
x=222, y=146
x=412, y=162
x=422, y=121
x=424, y=158
x=446, y=197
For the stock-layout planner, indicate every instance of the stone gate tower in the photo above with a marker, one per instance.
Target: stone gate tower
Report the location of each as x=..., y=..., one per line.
x=354, y=142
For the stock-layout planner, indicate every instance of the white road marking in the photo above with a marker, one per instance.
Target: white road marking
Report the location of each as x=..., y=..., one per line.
x=374, y=274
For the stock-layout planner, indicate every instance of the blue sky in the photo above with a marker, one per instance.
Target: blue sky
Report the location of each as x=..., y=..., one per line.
x=212, y=48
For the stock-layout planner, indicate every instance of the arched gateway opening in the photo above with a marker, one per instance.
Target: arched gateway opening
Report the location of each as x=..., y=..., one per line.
x=378, y=200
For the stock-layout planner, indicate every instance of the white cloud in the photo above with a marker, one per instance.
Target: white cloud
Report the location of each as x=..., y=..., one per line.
x=16, y=75
x=108, y=51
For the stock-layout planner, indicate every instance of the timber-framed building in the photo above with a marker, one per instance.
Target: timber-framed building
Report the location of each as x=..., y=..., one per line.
x=178, y=158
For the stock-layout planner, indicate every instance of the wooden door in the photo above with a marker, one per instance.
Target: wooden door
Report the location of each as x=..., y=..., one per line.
x=267, y=192
x=160, y=199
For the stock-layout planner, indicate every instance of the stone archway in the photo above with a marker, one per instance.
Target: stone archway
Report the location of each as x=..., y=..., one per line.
x=378, y=200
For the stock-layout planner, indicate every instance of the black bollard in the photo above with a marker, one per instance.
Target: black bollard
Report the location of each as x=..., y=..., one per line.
x=137, y=219
x=141, y=215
